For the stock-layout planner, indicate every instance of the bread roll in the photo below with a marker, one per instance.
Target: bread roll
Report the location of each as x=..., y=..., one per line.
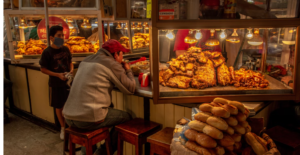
x=213, y=132
x=270, y=142
x=248, y=128
x=232, y=109
x=239, y=129
x=220, y=112
x=229, y=148
x=263, y=142
x=244, y=124
x=241, y=117
x=226, y=141
x=219, y=150
x=237, y=104
x=230, y=130
x=190, y=134
x=255, y=144
x=248, y=151
x=205, y=141
x=197, y=125
x=237, y=145
x=236, y=137
x=232, y=121
x=214, y=104
x=247, y=112
x=221, y=100
x=196, y=148
x=217, y=122
x=205, y=107
x=202, y=116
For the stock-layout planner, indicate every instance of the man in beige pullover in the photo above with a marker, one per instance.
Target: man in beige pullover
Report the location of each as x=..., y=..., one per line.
x=88, y=104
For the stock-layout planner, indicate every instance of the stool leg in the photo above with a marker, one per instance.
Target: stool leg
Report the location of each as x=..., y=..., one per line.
x=89, y=147
x=120, y=145
x=71, y=146
x=66, y=141
x=138, y=148
x=151, y=150
x=108, y=145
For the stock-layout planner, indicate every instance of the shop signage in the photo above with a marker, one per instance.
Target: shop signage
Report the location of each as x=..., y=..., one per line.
x=41, y=29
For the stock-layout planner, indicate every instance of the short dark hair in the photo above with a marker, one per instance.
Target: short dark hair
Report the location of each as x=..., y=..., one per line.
x=53, y=30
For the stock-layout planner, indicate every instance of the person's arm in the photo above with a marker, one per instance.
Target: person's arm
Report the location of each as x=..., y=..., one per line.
x=71, y=68
x=48, y=72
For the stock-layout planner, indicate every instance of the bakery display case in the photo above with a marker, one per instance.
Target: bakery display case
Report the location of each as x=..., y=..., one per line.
x=28, y=37
x=140, y=36
x=58, y=5
x=118, y=30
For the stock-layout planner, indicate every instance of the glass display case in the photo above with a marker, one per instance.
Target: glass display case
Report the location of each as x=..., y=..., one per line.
x=140, y=36
x=118, y=30
x=28, y=37
x=58, y=5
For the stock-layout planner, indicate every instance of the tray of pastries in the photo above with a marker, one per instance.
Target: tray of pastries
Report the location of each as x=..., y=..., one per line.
x=31, y=48
x=79, y=46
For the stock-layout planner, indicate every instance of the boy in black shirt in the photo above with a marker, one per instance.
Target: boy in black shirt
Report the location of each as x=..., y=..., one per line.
x=56, y=61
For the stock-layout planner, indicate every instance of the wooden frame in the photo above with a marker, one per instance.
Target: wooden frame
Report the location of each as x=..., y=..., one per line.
x=219, y=23
x=60, y=8
x=8, y=13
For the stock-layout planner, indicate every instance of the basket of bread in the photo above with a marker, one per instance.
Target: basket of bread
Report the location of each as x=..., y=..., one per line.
x=222, y=127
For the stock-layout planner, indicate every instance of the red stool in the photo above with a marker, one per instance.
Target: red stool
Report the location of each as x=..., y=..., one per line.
x=160, y=142
x=135, y=132
x=86, y=139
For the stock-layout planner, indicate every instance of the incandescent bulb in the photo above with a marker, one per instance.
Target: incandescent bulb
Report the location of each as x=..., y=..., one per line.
x=249, y=34
x=223, y=34
x=198, y=35
x=170, y=34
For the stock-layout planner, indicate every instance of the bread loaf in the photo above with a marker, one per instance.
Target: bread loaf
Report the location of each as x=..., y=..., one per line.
x=236, y=137
x=190, y=134
x=219, y=150
x=232, y=109
x=206, y=107
x=213, y=132
x=217, y=122
x=262, y=141
x=221, y=100
x=229, y=148
x=220, y=112
x=241, y=117
x=248, y=151
x=196, y=148
x=214, y=104
x=202, y=116
x=237, y=104
x=247, y=112
x=205, y=141
x=226, y=141
x=239, y=129
x=254, y=142
x=237, y=145
x=230, y=130
x=248, y=128
x=270, y=142
x=197, y=125
x=232, y=121
x=244, y=124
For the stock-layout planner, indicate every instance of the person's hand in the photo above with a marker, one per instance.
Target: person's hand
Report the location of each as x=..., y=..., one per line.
x=71, y=72
x=62, y=76
x=125, y=65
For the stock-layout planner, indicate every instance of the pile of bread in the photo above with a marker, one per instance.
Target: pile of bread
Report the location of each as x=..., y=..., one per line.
x=221, y=128
x=79, y=45
x=139, y=40
x=32, y=47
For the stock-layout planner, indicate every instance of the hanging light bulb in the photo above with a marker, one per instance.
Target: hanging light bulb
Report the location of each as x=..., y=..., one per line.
x=212, y=41
x=223, y=34
x=71, y=26
x=146, y=26
x=70, y=20
x=86, y=24
x=126, y=26
x=133, y=27
x=145, y=23
x=119, y=26
x=170, y=34
x=256, y=40
x=139, y=26
x=23, y=25
x=96, y=22
x=249, y=34
x=190, y=38
x=31, y=24
x=198, y=35
x=234, y=38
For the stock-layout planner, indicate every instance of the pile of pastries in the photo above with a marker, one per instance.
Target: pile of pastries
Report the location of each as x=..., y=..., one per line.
x=221, y=127
x=79, y=45
x=201, y=70
x=139, y=40
x=32, y=47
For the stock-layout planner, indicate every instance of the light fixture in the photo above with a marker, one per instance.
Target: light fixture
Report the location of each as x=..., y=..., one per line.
x=256, y=40
x=119, y=26
x=133, y=27
x=139, y=26
x=31, y=24
x=126, y=26
x=190, y=38
x=71, y=26
x=212, y=41
x=86, y=24
x=223, y=34
x=70, y=20
x=291, y=31
x=289, y=42
x=145, y=23
x=23, y=25
x=96, y=22
x=249, y=34
x=146, y=26
x=234, y=38
x=198, y=35
x=170, y=34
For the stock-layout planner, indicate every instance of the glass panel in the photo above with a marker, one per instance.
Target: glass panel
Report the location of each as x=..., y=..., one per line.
x=227, y=9
x=119, y=31
x=140, y=9
x=202, y=62
x=65, y=4
x=140, y=36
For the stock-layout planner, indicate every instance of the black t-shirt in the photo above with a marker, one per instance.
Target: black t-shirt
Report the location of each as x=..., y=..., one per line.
x=58, y=61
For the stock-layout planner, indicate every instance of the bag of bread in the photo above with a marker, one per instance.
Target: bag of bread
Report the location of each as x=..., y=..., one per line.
x=180, y=128
x=194, y=112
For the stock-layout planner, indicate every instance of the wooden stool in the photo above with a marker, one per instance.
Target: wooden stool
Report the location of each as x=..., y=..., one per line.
x=135, y=132
x=86, y=139
x=160, y=142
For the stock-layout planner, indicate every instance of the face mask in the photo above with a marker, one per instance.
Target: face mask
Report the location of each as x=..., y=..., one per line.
x=58, y=42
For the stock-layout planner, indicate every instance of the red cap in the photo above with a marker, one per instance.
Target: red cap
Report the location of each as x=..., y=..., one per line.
x=113, y=46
